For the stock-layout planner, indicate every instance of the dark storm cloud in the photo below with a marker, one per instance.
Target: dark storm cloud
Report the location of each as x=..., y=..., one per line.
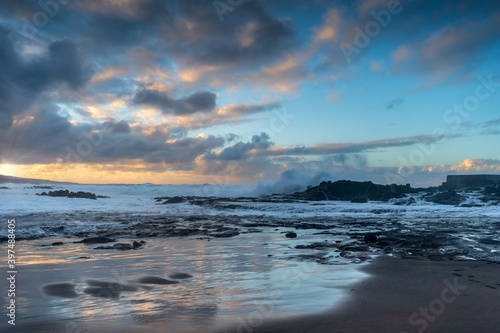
x=189, y=31
x=109, y=24
x=117, y=127
x=200, y=101
x=22, y=81
x=49, y=137
x=204, y=39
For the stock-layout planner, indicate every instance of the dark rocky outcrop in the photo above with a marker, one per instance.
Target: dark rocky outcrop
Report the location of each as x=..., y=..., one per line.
x=291, y=234
x=452, y=192
x=346, y=190
x=68, y=194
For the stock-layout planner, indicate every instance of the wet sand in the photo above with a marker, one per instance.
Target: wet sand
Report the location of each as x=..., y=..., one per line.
x=400, y=295
x=407, y=295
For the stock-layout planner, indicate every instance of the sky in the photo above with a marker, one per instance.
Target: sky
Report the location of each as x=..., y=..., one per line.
x=243, y=91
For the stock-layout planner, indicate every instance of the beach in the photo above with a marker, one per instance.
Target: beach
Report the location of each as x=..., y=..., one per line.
x=131, y=262
x=396, y=295
x=403, y=295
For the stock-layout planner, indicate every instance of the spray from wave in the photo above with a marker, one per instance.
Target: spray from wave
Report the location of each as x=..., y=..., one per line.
x=291, y=181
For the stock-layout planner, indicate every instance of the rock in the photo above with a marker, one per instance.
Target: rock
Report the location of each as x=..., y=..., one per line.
x=123, y=246
x=360, y=199
x=138, y=245
x=57, y=243
x=370, y=238
x=68, y=194
x=291, y=234
x=315, y=246
x=174, y=200
x=346, y=190
x=97, y=240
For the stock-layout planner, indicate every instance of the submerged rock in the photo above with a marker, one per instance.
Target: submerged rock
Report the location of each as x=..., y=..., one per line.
x=291, y=234
x=155, y=280
x=97, y=240
x=122, y=246
x=180, y=276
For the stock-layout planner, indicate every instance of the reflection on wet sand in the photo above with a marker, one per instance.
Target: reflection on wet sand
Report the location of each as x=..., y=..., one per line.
x=183, y=284
x=106, y=289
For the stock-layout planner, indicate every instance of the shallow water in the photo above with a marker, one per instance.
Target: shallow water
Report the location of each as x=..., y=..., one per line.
x=243, y=278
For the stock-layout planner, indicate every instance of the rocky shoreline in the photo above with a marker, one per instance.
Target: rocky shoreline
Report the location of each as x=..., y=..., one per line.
x=363, y=192
x=356, y=239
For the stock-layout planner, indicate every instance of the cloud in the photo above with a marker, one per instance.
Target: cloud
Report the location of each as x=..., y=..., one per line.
x=494, y=122
x=329, y=31
x=453, y=48
x=377, y=66
x=46, y=136
x=200, y=101
x=240, y=150
x=347, y=148
x=394, y=103
x=22, y=81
